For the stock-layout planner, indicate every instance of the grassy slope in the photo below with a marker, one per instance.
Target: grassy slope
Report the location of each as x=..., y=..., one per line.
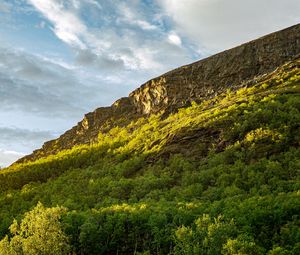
x=146, y=187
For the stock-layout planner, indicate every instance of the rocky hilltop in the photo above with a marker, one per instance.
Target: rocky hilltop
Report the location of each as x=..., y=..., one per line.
x=198, y=81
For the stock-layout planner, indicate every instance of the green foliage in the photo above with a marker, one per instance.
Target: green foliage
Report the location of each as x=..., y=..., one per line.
x=206, y=236
x=38, y=233
x=160, y=184
x=242, y=245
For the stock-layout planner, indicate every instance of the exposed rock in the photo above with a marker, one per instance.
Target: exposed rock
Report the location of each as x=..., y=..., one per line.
x=211, y=76
x=198, y=81
x=121, y=113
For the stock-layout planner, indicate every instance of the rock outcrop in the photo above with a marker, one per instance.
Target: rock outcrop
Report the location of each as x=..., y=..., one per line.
x=198, y=81
x=214, y=75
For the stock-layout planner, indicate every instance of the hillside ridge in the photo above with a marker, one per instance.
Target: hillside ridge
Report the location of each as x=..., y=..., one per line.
x=201, y=80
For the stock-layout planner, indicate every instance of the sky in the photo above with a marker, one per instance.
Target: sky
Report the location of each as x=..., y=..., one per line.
x=60, y=59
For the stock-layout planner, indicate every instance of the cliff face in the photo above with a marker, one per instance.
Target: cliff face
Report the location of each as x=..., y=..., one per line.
x=211, y=76
x=198, y=81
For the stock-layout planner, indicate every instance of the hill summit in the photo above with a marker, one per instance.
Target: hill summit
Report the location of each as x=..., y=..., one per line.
x=202, y=80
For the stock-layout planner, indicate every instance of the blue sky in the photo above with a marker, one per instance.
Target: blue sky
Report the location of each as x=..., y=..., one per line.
x=60, y=59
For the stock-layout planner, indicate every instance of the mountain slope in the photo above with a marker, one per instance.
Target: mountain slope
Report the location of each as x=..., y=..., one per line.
x=198, y=81
x=220, y=176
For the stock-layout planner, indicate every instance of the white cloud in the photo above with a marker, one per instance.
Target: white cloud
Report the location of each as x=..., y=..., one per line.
x=43, y=86
x=67, y=26
x=128, y=14
x=145, y=25
x=124, y=43
x=146, y=57
x=175, y=39
x=8, y=157
x=221, y=24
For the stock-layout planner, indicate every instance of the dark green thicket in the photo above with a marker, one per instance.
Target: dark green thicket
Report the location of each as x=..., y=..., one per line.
x=220, y=177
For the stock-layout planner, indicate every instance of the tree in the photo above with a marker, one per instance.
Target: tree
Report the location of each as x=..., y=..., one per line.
x=206, y=236
x=39, y=233
x=242, y=245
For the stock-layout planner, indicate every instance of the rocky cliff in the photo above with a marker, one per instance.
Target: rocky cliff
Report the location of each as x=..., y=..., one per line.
x=211, y=76
x=198, y=81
